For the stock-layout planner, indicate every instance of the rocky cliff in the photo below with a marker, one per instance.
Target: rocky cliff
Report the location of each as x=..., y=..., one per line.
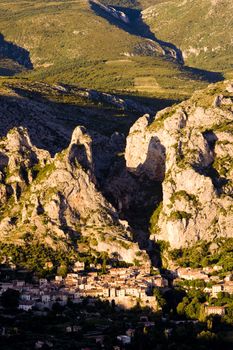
x=93, y=196
x=57, y=200
x=189, y=149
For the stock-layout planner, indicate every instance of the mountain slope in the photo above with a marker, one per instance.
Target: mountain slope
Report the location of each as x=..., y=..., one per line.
x=205, y=40
x=74, y=42
x=80, y=196
x=51, y=112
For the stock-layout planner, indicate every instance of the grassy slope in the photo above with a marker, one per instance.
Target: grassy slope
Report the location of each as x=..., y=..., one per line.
x=166, y=79
x=61, y=30
x=68, y=42
x=202, y=29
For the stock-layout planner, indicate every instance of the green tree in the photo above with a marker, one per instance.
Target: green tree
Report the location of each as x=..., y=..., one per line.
x=10, y=299
x=207, y=336
x=159, y=297
x=62, y=270
x=182, y=306
x=192, y=310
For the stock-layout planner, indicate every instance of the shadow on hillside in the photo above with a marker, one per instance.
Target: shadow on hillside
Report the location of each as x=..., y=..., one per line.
x=14, y=52
x=137, y=27
x=51, y=123
x=219, y=181
x=135, y=195
x=9, y=68
x=7, y=72
x=202, y=74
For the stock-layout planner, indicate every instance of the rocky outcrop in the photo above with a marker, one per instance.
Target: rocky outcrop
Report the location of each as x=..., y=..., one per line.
x=91, y=194
x=119, y=15
x=189, y=148
x=57, y=199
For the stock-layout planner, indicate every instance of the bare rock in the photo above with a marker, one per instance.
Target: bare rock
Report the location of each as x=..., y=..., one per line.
x=60, y=201
x=189, y=149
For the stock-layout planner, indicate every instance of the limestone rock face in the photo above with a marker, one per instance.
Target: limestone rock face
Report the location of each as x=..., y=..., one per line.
x=57, y=199
x=148, y=158
x=189, y=148
x=17, y=160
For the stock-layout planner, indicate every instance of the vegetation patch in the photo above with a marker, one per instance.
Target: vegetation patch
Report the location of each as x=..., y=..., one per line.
x=203, y=254
x=154, y=228
x=176, y=196
x=158, y=123
x=179, y=215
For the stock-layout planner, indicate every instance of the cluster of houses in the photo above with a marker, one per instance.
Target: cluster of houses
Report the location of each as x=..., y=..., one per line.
x=217, y=284
x=205, y=274
x=225, y=286
x=126, y=286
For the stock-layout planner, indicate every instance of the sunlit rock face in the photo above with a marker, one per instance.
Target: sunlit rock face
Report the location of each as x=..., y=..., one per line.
x=189, y=148
x=58, y=199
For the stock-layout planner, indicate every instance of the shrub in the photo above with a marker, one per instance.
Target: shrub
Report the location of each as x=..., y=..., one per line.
x=179, y=215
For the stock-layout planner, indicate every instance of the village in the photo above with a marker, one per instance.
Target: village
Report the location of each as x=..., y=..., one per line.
x=86, y=292
x=213, y=284
x=127, y=286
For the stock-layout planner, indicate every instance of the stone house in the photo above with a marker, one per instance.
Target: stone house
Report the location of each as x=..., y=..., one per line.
x=58, y=279
x=105, y=292
x=79, y=266
x=45, y=298
x=43, y=281
x=228, y=287
x=217, y=288
x=215, y=310
x=120, y=293
x=25, y=296
x=229, y=278
x=112, y=292
x=26, y=305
